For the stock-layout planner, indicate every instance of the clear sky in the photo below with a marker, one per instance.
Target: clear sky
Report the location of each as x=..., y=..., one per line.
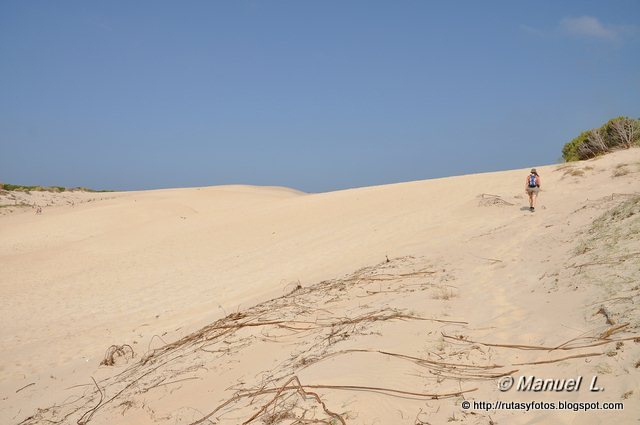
x=315, y=95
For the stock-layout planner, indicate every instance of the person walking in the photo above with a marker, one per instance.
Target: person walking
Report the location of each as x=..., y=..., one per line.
x=532, y=187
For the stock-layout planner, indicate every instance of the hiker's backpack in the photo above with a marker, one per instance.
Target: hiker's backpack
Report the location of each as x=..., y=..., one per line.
x=532, y=180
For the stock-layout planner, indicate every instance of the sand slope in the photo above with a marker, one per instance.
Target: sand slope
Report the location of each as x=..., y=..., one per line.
x=148, y=268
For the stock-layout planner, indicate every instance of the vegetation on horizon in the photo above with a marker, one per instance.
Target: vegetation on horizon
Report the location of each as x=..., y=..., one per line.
x=21, y=188
x=617, y=133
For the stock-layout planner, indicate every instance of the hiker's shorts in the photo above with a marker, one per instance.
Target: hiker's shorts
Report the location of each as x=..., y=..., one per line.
x=531, y=190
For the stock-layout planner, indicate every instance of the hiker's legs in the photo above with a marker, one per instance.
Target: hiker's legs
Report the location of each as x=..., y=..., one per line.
x=533, y=197
x=530, y=193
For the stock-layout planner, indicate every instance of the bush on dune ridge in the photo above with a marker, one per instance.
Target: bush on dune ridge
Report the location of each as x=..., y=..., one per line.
x=21, y=188
x=617, y=133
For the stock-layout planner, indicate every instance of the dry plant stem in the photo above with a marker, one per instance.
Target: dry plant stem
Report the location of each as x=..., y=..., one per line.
x=603, y=336
x=387, y=391
x=26, y=386
x=310, y=422
x=151, y=342
x=288, y=324
x=177, y=380
x=392, y=392
x=139, y=378
x=90, y=412
x=421, y=361
x=129, y=385
x=612, y=330
x=601, y=340
x=374, y=318
x=303, y=393
x=114, y=350
x=387, y=277
x=577, y=356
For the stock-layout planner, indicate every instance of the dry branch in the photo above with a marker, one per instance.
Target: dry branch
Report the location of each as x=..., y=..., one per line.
x=577, y=356
x=26, y=386
x=297, y=387
x=602, y=339
x=113, y=351
x=303, y=393
x=612, y=330
x=89, y=413
x=460, y=371
x=296, y=314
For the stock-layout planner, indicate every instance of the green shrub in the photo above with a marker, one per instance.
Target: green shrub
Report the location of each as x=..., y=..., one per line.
x=570, y=150
x=617, y=133
x=21, y=188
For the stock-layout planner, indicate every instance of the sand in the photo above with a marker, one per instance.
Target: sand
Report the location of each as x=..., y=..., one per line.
x=412, y=287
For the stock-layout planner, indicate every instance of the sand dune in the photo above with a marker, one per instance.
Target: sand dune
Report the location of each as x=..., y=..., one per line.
x=250, y=286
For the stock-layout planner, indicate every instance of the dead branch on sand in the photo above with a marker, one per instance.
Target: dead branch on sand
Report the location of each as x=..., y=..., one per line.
x=577, y=356
x=116, y=350
x=458, y=370
x=572, y=344
x=293, y=384
x=86, y=417
x=26, y=386
x=298, y=314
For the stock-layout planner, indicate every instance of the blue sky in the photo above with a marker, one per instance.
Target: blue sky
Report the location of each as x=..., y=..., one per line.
x=315, y=95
